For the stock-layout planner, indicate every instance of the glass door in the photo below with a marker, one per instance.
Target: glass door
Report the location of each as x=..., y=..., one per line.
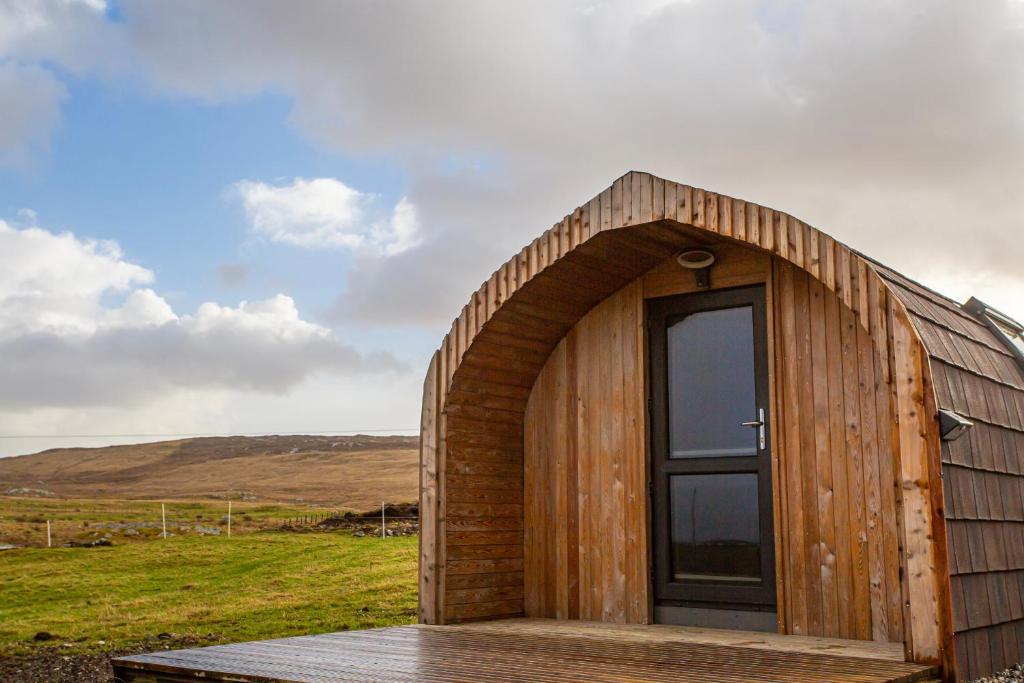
x=711, y=464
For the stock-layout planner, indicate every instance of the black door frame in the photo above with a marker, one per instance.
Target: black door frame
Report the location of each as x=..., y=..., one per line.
x=661, y=313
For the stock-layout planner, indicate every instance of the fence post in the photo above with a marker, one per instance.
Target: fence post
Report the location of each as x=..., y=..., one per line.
x=49, y=541
x=229, y=519
x=163, y=517
x=383, y=526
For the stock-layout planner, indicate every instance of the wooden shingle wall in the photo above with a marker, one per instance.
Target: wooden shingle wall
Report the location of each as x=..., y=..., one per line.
x=976, y=376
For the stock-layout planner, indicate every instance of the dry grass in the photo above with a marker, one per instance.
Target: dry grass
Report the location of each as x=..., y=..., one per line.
x=349, y=472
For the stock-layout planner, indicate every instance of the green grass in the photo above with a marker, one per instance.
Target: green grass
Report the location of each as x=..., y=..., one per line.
x=254, y=586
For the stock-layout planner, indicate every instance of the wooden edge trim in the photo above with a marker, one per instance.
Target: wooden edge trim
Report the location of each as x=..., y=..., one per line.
x=427, y=564
x=925, y=552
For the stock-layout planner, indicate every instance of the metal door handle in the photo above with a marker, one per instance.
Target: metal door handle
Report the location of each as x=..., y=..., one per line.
x=759, y=423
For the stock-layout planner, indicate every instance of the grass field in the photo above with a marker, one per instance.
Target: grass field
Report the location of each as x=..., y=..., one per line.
x=251, y=586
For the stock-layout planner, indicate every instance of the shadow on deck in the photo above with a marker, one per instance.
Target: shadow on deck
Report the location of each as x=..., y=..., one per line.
x=531, y=650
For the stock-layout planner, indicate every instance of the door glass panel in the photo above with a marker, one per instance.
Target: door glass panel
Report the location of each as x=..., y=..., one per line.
x=716, y=531
x=711, y=384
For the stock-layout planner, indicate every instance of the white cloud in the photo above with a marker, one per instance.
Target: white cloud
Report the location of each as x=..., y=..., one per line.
x=65, y=344
x=141, y=308
x=35, y=36
x=1004, y=292
x=30, y=98
x=897, y=127
x=316, y=404
x=402, y=231
x=326, y=213
x=74, y=34
x=55, y=282
x=856, y=116
x=894, y=126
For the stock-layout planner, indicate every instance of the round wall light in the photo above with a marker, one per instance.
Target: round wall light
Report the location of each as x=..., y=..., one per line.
x=696, y=259
x=700, y=262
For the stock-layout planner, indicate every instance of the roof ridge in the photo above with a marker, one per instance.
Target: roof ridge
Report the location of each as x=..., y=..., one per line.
x=893, y=274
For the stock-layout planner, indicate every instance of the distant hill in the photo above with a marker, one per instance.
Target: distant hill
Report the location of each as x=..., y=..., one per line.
x=345, y=471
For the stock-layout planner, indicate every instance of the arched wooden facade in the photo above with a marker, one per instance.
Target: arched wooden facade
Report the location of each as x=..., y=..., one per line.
x=535, y=436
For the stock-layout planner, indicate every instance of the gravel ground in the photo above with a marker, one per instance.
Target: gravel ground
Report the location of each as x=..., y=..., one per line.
x=50, y=664
x=1014, y=674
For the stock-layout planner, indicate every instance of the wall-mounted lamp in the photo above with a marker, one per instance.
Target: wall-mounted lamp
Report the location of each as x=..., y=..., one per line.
x=700, y=262
x=953, y=425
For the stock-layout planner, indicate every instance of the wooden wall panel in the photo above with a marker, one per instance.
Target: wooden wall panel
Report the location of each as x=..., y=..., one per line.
x=837, y=494
x=585, y=503
x=483, y=520
x=585, y=472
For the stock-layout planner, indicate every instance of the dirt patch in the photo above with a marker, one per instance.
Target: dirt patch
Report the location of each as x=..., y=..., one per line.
x=52, y=664
x=402, y=519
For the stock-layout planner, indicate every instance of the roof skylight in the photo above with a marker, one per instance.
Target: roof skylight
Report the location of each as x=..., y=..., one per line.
x=1005, y=327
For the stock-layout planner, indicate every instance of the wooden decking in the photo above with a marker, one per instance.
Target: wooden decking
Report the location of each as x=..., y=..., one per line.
x=529, y=650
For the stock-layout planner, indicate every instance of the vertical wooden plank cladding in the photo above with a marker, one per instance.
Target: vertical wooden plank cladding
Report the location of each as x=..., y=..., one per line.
x=856, y=502
x=585, y=472
x=888, y=462
x=554, y=485
x=604, y=595
x=923, y=586
x=571, y=478
x=618, y=347
x=875, y=477
x=444, y=372
x=778, y=474
x=824, y=510
x=832, y=401
x=605, y=220
x=739, y=219
x=618, y=211
x=787, y=388
x=808, y=449
x=428, y=495
x=635, y=391
x=658, y=199
x=671, y=199
x=534, y=472
x=592, y=564
x=839, y=433
x=823, y=444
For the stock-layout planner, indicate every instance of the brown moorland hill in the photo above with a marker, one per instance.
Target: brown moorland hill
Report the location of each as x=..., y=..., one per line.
x=346, y=471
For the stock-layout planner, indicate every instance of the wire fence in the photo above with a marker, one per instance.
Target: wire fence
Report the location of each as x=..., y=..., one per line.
x=324, y=519
x=50, y=523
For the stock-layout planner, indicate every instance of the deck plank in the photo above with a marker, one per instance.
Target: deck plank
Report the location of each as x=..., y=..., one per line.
x=536, y=650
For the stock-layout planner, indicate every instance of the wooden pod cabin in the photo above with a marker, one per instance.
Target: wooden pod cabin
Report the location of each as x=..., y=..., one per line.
x=676, y=406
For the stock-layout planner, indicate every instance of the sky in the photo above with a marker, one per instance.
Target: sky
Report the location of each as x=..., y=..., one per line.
x=259, y=217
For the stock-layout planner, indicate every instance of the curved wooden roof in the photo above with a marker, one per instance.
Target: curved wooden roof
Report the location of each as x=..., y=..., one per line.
x=480, y=378
x=640, y=220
